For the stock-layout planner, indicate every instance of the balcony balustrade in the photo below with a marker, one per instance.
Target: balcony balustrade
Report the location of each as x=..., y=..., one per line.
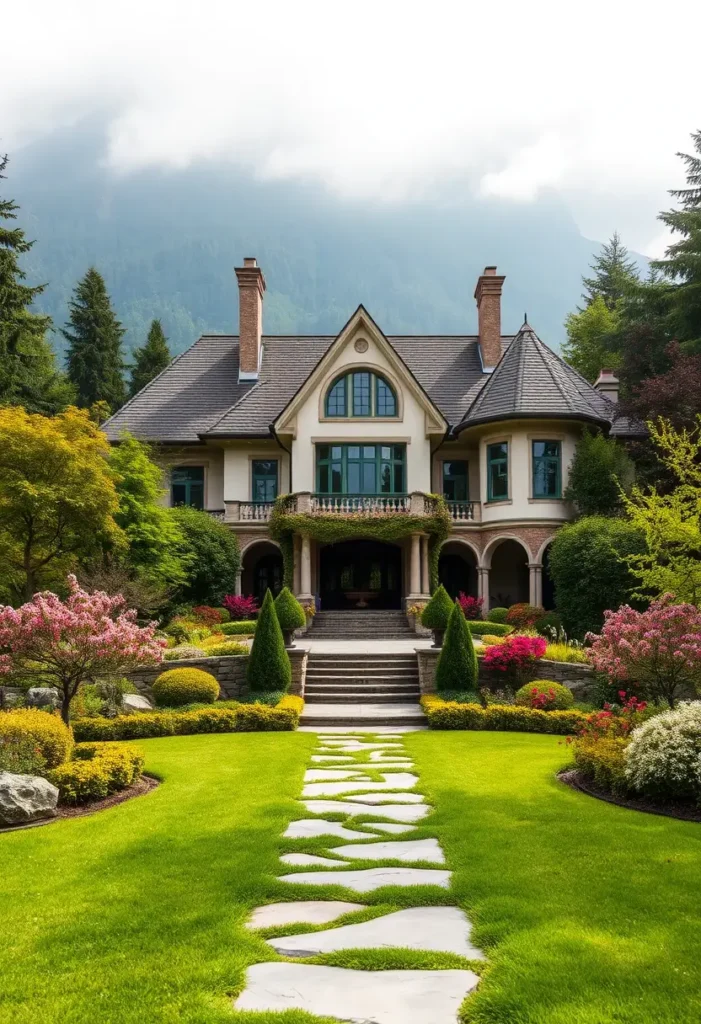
x=464, y=511
x=371, y=505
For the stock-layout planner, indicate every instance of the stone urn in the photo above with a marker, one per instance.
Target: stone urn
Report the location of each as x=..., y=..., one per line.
x=438, y=635
x=288, y=636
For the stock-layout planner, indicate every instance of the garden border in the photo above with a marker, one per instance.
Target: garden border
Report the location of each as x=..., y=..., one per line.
x=574, y=779
x=145, y=784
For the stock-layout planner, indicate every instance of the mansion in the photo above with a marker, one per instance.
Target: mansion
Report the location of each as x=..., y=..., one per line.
x=371, y=426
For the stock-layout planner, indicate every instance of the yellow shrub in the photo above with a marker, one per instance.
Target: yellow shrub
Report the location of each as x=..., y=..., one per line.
x=53, y=738
x=603, y=760
x=491, y=641
x=564, y=652
x=185, y=686
x=443, y=714
x=97, y=770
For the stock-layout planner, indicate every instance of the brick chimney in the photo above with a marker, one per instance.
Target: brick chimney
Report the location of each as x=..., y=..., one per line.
x=488, y=298
x=608, y=383
x=251, y=288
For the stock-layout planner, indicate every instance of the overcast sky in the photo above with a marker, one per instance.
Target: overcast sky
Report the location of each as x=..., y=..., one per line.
x=382, y=99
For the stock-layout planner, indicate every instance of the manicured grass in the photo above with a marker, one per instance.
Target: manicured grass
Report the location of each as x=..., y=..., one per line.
x=589, y=913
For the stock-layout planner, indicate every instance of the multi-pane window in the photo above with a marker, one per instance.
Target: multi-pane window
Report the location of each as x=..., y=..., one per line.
x=264, y=482
x=360, y=469
x=455, y=485
x=361, y=393
x=498, y=471
x=187, y=486
x=547, y=469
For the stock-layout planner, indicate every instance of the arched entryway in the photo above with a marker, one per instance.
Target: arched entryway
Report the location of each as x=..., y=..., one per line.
x=508, y=573
x=261, y=569
x=360, y=574
x=457, y=568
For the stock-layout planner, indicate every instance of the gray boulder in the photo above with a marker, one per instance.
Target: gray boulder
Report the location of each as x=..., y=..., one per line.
x=43, y=696
x=25, y=798
x=135, y=702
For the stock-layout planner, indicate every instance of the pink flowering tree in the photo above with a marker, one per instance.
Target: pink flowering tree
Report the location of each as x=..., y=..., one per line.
x=658, y=649
x=66, y=643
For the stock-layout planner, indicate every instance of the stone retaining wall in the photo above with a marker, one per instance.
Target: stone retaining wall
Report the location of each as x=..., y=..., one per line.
x=578, y=678
x=229, y=671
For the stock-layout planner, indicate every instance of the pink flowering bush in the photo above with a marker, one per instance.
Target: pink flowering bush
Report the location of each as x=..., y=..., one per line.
x=516, y=657
x=659, y=650
x=471, y=606
x=78, y=640
x=240, y=606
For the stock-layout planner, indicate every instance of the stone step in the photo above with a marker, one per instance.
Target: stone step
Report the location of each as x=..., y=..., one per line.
x=371, y=660
x=362, y=685
x=326, y=697
x=358, y=675
x=333, y=715
x=411, y=686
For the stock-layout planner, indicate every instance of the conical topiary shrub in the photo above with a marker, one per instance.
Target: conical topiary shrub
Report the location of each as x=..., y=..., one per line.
x=269, y=665
x=436, y=614
x=290, y=614
x=457, y=663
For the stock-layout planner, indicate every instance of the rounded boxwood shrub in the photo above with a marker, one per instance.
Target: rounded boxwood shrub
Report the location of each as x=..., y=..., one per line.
x=226, y=648
x=546, y=695
x=497, y=615
x=664, y=756
x=245, y=627
x=185, y=686
x=457, y=663
x=52, y=738
x=290, y=613
x=224, y=615
x=437, y=612
x=479, y=627
x=524, y=615
x=269, y=666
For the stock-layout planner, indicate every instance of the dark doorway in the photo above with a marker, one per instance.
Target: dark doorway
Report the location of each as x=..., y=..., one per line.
x=457, y=569
x=261, y=570
x=360, y=574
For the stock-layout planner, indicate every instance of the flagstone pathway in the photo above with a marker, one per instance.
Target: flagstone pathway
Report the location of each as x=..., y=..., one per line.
x=372, y=780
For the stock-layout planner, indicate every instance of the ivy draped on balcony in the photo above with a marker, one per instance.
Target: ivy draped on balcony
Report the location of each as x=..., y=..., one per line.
x=330, y=528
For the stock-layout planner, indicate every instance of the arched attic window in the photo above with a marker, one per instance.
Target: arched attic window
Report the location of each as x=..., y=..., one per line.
x=361, y=393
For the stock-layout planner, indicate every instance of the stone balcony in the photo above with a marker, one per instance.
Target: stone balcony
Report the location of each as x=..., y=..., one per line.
x=372, y=505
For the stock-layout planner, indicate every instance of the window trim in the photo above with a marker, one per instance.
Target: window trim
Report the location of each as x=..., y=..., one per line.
x=447, y=462
x=488, y=480
x=251, y=476
x=346, y=371
x=532, y=496
x=347, y=443
x=188, y=465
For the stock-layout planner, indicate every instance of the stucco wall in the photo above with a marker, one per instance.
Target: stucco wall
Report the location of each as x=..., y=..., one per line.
x=237, y=483
x=197, y=455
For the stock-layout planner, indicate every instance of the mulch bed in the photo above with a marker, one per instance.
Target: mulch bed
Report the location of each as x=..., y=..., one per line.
x=685, y=812
x=144, y=785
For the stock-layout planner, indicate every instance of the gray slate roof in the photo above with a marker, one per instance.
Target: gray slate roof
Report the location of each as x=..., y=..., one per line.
x=199, y=396
x=531, y=380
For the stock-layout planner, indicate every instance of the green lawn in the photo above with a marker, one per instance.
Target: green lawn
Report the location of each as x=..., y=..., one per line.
x=589, y=914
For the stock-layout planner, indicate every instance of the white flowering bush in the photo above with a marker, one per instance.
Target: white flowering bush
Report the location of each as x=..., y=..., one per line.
x=664, y=755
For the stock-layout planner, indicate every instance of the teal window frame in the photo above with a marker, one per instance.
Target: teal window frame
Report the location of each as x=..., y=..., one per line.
x=456, y=482
x=191, y=480
x=361, y=394
x=358, y=469
x=264, y=481
x=546, y=465
x=497, y=469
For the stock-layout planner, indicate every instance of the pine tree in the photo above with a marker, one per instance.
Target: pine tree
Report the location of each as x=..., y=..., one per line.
x=149, y=360
x=269, y=666
x=614, y=273
x=28, y=372
x=682, y=264
x=457, y=664
x=94, y=334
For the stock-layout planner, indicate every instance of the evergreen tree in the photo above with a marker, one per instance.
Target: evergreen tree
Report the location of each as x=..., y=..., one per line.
x=149, y=360
x=269, y=667
x=28, y=372
x=682, y=264
x=599, y=469
x=94, y=336
x=457, y=663
x=614, y=273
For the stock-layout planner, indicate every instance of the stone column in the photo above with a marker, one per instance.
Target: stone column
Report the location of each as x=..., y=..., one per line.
x=305, y=569
x=425, y=573
x=535, y=583
x=237, y=584
x=483, y=585
x=415, y=573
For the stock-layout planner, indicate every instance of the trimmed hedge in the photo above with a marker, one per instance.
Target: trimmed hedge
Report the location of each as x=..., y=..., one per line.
x=437, y=612
x=185, y=686
x=269, y=666
x=478, y=627
x=290, y=613
x=497, y=615
x=442, y=714
x=97, y=769
x=49, y=733
x=241, y=718
x=457, y=662
x=243, y=627
x=226, y=649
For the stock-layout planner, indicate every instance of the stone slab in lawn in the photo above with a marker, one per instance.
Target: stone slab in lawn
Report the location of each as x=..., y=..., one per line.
x=390, y=829
x=309, y=860
x=330, y=757
x=304, y=912
x=351, y=747
x=434, y=929
x=406, y=850
x=394, y=798
x=364, y=997
x=395, y=812
x=332, y=774
x=397, y=780
x=311, y=828
x=369, y=879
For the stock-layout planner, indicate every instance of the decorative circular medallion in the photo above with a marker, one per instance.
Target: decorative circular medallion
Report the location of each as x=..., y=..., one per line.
x=361, y=345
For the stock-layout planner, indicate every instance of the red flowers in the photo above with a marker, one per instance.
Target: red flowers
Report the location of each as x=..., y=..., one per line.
x=471, y=606
x=241, y=607
x=516, y=656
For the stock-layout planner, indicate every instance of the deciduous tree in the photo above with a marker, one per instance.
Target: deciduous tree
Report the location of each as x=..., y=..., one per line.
x=590, y=345
x=599, y=471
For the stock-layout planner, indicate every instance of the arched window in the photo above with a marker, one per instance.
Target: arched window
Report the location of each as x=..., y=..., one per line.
x=361, y=393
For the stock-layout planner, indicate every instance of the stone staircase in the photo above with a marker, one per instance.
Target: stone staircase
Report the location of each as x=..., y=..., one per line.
x=361, y=625
x=350, y=689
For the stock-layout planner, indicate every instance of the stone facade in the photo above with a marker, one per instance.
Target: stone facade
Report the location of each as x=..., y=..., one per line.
x=230, y=673
x=578, y=678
